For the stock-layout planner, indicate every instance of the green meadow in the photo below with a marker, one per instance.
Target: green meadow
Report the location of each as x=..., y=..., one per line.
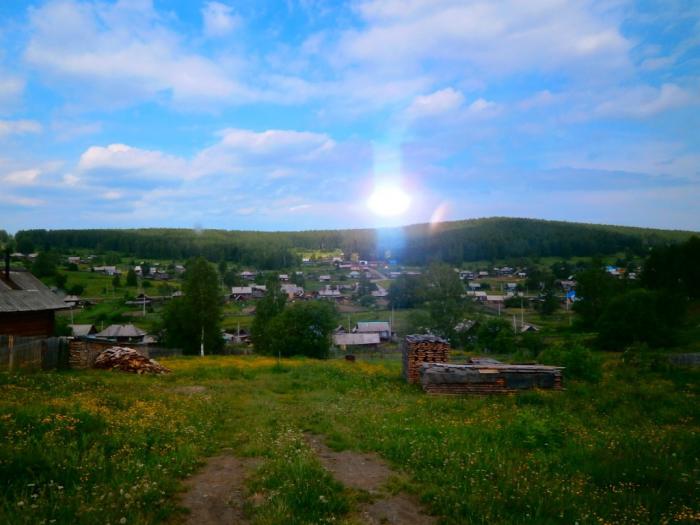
x=107, y=447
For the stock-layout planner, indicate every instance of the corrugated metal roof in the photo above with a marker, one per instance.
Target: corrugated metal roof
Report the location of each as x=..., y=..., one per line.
x=356, y=339
x=27, y=294
x=81, y=329
x=373, y=326
x=121, y=330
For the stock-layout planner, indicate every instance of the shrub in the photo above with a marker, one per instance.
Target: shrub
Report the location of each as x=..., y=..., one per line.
x=579, y=362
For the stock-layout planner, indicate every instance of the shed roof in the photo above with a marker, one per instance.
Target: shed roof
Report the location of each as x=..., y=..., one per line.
x=121, y=330
x=356, y=339
x=25, y=293
x=81, y=329
x=373, y=327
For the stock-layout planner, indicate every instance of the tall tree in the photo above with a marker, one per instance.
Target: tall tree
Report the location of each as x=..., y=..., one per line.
x=131, y=279
x=266, y=310
x=195, y=318
x=446, y=302
x=303, y=329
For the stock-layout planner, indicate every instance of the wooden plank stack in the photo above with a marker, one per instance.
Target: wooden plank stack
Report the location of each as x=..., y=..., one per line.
x=420, y=349
x=491, y=377
x=128, y=360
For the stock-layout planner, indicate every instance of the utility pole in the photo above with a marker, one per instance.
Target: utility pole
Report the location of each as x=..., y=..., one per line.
x=201, y=345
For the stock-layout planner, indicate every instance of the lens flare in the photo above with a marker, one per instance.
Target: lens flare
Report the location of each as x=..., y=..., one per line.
x=389, y=201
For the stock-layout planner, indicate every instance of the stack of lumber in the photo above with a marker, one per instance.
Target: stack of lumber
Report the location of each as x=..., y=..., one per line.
x=420, y=349
x=487, y=377
x=128, y=360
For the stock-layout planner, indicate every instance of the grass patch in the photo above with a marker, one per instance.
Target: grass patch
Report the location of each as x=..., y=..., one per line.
x=95, y=446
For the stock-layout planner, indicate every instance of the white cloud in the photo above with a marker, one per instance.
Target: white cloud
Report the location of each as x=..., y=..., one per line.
x=122, y=53
x=18, y=127
x=11, y=90
x=645, y=101
x=218, y=19
x=118, y=161
x=492, y=37
x=437, y=103
x=240, y=150
x=22, y=177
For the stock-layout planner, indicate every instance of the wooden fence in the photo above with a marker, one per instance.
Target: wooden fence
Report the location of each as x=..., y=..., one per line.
x=33, y=353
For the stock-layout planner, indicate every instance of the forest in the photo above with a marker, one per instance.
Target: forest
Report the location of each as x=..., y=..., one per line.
x=452, y=242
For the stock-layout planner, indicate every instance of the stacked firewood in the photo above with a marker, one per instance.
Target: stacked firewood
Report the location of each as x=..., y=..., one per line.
x=419, y=349
x=128, y=360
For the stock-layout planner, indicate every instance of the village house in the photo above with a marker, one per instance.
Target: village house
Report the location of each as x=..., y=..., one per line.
x=344, y=340
x=292, y=290
x=107, y=270
x=74, y=260
x=329, y=293
x=82, y=330
x=27, y=306
x=324, y=278
x=382, y=328
x=247, y=275
x=283, y=277
x=241, y=293
x=122, y=333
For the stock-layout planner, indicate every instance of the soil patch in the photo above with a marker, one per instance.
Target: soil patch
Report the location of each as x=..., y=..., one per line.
x=195, y=389
x=368, y=472
x=215, y=494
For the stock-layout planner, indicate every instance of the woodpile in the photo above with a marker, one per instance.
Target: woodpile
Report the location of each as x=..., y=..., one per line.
x=420, y=349
x=128, y=360
x=488, y=377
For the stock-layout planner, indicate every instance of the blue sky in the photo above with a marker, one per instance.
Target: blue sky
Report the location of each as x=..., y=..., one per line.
x=290, y=115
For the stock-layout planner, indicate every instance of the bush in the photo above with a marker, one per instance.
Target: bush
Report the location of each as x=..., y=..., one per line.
x=579, y=362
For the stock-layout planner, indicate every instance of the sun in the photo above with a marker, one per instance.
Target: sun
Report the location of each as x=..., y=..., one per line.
x=389, y=201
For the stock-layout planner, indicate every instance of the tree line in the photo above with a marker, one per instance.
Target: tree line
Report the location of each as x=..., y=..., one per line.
x=450, y=242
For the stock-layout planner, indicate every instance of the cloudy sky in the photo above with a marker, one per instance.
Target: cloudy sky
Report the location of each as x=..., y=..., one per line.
x=254, y=114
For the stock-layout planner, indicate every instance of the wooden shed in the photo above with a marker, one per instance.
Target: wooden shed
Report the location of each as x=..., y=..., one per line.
x=27, y=306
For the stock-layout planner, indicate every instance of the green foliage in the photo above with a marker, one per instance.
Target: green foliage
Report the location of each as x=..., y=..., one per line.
x=76, y=289
x=131, y=279
x=549, y=302
x=116, y=281
x=266, y=309
x=45, y=264
x=196, y=316
x=451, y=242
x=675, y=268
x=445, y=301
x=303, y=328
x=579, y=361
x=495, y=335
x=60, y=279
x=640, y=316
x=407, y=291
x=595, y=289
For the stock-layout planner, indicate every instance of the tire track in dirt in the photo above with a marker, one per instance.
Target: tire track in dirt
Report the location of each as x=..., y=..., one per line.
x=369, y=473
x=215, y=494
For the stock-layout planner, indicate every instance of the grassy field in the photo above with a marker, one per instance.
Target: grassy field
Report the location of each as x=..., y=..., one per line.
x=102, y=447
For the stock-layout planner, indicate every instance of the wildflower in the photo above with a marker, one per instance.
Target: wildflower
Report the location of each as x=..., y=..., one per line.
x=122, y=520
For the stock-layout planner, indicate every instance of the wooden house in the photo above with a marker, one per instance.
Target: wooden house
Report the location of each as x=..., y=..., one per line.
x=27, y=306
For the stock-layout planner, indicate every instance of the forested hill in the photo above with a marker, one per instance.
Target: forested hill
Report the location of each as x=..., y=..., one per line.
x=453, y=242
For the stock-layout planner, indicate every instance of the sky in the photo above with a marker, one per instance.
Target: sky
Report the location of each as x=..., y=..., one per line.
x=310, y=114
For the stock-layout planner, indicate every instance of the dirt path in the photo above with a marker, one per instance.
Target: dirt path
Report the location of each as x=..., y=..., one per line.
x=368, y=472
x=214, y=495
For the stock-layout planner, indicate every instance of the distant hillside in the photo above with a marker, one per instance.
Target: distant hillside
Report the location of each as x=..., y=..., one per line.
x=453, y=242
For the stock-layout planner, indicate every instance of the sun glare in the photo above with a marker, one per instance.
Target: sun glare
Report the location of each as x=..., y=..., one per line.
x=388, y=201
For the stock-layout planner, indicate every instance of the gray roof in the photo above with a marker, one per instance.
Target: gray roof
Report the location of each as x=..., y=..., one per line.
x=356, y=339
x=81, y=329
x=26, y=293
x=121, y=330
x=373, y=327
